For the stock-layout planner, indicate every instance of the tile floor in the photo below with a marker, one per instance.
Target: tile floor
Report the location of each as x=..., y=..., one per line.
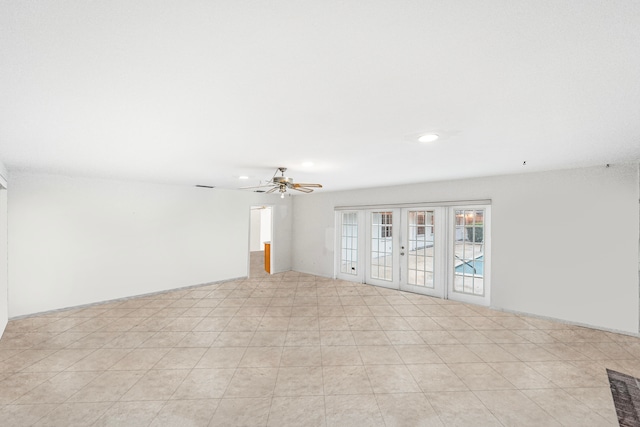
x=297, y=350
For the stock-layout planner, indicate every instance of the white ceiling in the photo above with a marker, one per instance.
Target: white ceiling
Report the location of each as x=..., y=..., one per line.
x=200, y=92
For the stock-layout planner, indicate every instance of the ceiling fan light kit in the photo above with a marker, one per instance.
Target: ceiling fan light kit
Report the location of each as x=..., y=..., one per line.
x=282, y=183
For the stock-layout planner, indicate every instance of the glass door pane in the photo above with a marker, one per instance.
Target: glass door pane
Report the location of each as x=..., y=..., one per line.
x=349, y=246
x=420, y=248
x=381, y=265
x=470, y=255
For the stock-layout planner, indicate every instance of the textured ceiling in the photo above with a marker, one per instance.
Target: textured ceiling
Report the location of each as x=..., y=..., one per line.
x=201, y=92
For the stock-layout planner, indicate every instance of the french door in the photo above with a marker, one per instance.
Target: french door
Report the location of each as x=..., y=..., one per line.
x=442, y=251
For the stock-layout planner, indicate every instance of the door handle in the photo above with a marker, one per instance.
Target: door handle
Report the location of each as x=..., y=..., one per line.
x=401, y=253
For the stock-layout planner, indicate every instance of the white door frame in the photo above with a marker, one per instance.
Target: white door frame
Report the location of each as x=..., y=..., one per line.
x=484, y=299
x=396, y=231
x=360, y=259
x=444, y=226
x=440, y=240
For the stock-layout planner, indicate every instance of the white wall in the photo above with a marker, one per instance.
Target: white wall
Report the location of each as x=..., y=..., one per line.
x=4, y=308
x=265, y=226
x=255, y=244
x=76, y=241
x=564, y=243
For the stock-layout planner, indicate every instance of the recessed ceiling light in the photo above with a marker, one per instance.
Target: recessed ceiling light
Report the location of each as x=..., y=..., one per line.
x=429, y=137
x=243, y=177
x=307, y=164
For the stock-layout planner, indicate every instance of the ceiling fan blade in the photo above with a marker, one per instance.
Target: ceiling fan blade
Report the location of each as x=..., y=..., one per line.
x=252, y=187
x=304, y=190
x=307, y=185
x=272, y=190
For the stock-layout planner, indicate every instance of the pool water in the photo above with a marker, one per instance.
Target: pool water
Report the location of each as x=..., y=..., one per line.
x=468, y=268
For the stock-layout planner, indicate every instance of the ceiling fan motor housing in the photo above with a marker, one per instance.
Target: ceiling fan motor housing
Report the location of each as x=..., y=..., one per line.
x=283, y=180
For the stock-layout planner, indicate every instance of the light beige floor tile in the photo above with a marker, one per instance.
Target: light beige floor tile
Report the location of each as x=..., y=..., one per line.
x=513, y=408
x=423, y=323
x=17, y=384
x=302, y=308
x=58, y=388
x=438, y=338
x=297, y=411
x=391, y=379
x=261, y=357
x=59, y=361
x=304, y=319
x=74, y=414
x=299, y=381
x=100, y=360
x=346, y=380
x=363, y=322
x=338, y=323
x=156, y=385
x=301, y=356
x=394, y=323
x=204, y=384
x=563, y=351
x=95, y=340
x=140, y=359
x=184, y=324
x=462, y=409
x=268, y=339
x=341, y=356
x=129, y=340
x=131, y=414
x=436, y=377
x=242, y=412
x=492, y=353
x=233, y=339
x=274, y=323
x=480, y=376
x=504, y=337
x=252, y=382
x=353, y=410
x=529, y=352
x=221, y=357
x=564, y=374
x=287, y=342
x=407, y=409
x=302, y=338
x=404, y=338
x=379, y=355
x=110, y=386
x=598, y=400
x=455, y=354
x=329, y=338
x=198, y=339
x=536, y=336
x=186, y=413
x=564, y=408
x=370, y=338
x=417, y=354
x=212, y=324
x=521, y=375
x=452, y=323
x=180, y=358
x=383, y=310
x=24, y=415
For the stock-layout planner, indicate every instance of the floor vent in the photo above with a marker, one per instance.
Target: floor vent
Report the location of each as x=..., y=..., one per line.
x=625, y=390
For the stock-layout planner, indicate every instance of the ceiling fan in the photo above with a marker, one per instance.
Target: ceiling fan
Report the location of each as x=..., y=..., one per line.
x=281, y=183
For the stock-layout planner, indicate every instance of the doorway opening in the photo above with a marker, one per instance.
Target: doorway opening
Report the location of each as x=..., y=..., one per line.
x=260, y=241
